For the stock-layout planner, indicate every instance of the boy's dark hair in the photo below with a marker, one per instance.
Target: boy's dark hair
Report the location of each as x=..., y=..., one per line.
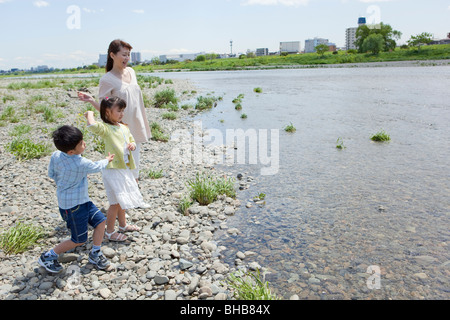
x=67, y=138
x=107, y=104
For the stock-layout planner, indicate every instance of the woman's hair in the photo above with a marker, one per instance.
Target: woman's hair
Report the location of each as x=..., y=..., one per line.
x=108, y=104
x=66, y=138
x=114, y=47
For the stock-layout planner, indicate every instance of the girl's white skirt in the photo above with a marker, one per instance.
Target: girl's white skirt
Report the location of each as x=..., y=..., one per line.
x=122, y=188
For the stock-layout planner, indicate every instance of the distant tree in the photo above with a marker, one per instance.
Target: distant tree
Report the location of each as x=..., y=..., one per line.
x=321, y=49
x=373, y=43
x=389, y=36
x=200, y=58
x=420, y=39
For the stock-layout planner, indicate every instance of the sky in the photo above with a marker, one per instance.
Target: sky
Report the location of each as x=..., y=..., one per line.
x=67, y=34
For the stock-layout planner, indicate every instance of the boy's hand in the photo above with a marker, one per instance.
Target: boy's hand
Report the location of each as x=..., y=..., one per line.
x=110, y=157
x=131, y=146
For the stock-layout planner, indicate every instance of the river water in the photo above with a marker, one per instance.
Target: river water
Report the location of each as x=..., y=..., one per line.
x=369, y=221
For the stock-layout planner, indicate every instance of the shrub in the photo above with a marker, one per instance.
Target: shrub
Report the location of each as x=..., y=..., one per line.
x=20, y=130
x=165, y=97
x=205, y=188
x=204, y=103
x=257, y=90
x=243, y=116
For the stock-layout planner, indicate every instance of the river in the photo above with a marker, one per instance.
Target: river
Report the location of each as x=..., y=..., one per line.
x=368, y=221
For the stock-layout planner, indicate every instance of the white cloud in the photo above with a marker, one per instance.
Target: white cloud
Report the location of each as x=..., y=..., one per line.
x=139, y=11
x=288, y=3
x=41, y=4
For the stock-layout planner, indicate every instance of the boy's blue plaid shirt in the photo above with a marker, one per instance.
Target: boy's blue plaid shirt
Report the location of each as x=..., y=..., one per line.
x=70, y=174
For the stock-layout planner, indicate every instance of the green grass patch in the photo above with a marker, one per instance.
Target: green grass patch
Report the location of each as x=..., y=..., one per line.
x=158, y=133
x=20, y=130
x=381, y=136
x=257, y=90
x=204, y=103
x=205, y=188
x=184, y=205
x=155, y=174
x=165, y=97
x=250, y=286
x=290, y=128
x=20, y=237
x=169, y=116
x=25, y=149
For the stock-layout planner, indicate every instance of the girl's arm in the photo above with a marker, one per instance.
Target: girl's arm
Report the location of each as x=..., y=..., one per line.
x=90, y=118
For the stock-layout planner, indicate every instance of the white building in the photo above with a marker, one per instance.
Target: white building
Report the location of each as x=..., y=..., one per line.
x=311, y=44
x=102, y=59
x=290, y=46
x=350, y=34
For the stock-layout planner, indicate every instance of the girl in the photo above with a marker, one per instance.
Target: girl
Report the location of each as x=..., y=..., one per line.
x=121, y=187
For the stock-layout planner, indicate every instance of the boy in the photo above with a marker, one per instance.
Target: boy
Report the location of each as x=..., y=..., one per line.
x=70, y=170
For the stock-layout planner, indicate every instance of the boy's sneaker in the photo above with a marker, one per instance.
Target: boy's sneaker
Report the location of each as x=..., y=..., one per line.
x=99, y=260
x=50, y=264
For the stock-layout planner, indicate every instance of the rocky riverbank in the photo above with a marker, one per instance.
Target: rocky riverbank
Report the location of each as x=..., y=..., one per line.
x=174, y=256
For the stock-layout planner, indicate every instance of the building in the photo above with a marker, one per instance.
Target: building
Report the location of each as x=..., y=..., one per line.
x=290, y=46
x=136, y=57
x=442, y=41
x=102, y=59
x=311, y=44
x=350, y=34
x=179, y=57
x=262, y=52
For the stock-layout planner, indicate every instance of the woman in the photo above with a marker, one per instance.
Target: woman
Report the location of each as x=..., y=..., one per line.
x=120, y=81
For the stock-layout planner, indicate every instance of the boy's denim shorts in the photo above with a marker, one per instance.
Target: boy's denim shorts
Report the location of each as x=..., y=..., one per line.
x=78, y=218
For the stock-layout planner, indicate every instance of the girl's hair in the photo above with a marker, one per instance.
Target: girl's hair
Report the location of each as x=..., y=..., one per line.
x=114, y=47
x=108, y=104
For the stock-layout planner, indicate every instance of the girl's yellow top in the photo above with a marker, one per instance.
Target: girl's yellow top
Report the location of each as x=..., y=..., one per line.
x=116, y=139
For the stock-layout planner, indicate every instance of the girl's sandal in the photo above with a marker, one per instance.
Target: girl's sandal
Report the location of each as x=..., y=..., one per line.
x=129, y=228
x=116, y=236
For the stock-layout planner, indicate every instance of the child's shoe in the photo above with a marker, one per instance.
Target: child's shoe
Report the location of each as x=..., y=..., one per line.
x=99, y=260
x=50, y=264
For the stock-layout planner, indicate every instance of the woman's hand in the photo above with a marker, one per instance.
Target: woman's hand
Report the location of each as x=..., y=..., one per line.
x=83, y=96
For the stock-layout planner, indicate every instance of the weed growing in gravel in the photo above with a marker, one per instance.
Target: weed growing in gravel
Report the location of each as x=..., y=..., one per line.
x=155, y=174
x=205, y=188
x=165, y=97
x=25, y=149
x=20, y=237
x=158, y=133
x=250, y=286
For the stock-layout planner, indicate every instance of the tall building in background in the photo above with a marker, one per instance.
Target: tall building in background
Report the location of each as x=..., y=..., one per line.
x=136, y=57
x=350, y=34
x=102, y=58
